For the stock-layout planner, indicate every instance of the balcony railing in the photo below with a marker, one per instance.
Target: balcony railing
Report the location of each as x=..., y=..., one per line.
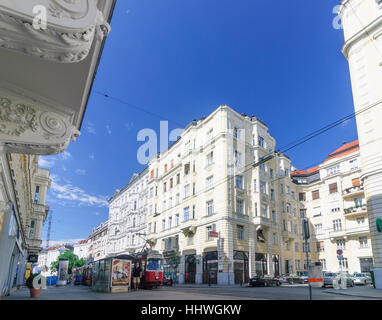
x=357, y=209
x=352, y=191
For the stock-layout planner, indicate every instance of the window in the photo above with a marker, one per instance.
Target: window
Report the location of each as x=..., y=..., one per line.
x=151, y=192
x=316, y=211
x=315, y=194
x=301, y=196
x=193, y=212
x=271, y=173
x=302, y=213
x=283, y=206
x=164, y=205
x=275, y=240
x=32, y=229
x=165, y=168
x=353, y=164
x=240, y=232
x=152, y=174
x=210, y=208
x=209, y=182
x=193, y=189
x=282, y=188
x=337, y=225
x=341, y=244
x=272, y=194
x=293, y=195
x=288, y=189
x=343, y=263
x=239, y=182
x=236, y=133
x=263, y=187
x=209, y=134
x=170, y=203
x=171, y=182
x=264, y=210
x=298, y=265
x=186, y=214
x=177, y=198
x=187, y=168
x=333, y=188
x=186, y=190
x=361, y=221
x=178, y=178
x=164, y=187
x=363, y=242
x=172, y=164
x=170, y=222
x=237, y=157
x=254, y=185
x=288, y=207
x=261, y=141
x=355, y=182
x=177, y=220
x=323, y=263
x=333, y=170
x=318, y=228
x=240, y=206
x=36, y=194
x=163, y=224
x=305, y=247
x=296, y=247
x=274, y=216
x=210, y=158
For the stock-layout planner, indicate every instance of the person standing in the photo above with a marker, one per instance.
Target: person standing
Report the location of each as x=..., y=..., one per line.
x=137, y=273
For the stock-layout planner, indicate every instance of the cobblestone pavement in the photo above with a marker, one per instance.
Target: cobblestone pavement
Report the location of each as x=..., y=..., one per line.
x=200, y=292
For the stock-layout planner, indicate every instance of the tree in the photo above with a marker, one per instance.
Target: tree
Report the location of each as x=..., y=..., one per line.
x=74, y=262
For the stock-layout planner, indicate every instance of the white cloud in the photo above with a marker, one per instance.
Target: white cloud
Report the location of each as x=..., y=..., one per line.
x=66, y=155
x=92, y=156
x=60, y=242
x=44, y=162
x=81, y=172
x=91, y=128
x=108, y=129
x=129, y=126
x=74, y=194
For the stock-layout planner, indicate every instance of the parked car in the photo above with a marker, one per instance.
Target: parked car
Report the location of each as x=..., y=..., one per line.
x=264, y=281
x=290, y=279
x=361, y=279
x=330, y=276
x=304, y=276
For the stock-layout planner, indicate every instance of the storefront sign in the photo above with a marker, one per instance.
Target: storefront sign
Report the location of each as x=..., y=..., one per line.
x=214, y=234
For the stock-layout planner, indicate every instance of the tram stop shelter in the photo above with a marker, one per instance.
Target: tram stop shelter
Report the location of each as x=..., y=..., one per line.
x=112, y=274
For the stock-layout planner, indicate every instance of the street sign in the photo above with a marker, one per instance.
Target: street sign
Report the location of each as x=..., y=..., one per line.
x=214, y=234
x=340, y=252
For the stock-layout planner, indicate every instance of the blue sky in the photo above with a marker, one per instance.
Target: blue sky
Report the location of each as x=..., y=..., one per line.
x=279, y=60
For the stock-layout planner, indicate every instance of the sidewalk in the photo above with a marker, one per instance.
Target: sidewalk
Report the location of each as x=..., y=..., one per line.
x=363, y=292
x=202, y=285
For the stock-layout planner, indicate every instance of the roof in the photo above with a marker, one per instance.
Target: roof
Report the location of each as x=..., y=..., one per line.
x=82, y=241
x=344, y=150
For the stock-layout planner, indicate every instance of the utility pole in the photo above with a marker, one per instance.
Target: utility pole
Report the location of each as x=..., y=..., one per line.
x=49, y=228
x=305, y=225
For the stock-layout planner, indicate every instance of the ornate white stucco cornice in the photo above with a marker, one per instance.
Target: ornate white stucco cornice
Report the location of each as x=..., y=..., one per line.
x=31, y=127
x=72, y=27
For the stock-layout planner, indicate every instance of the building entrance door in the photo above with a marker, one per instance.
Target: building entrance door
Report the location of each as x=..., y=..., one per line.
x=190, y=269
x=240, y=267
x=210, y=267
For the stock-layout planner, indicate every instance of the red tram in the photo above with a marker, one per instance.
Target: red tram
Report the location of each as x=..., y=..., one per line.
x=151, y=264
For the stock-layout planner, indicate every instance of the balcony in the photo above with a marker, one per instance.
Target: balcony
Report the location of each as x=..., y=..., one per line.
x=337, y=234
x=262, y=221
x=352, y=191
x=358, y=230
x=288, y=235
x=355, y=210
x=188, y=227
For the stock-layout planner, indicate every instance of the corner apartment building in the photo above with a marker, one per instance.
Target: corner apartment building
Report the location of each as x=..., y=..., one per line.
x=334, y=199
x=225, y=219
x=97, y=242
x=80, y=249
x=127, y=216
x=362, y=24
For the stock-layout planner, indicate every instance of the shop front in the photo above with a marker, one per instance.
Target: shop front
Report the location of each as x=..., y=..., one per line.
x=366, y=264
x=210, y=267
x=241, y=267
x=261, y=264
x=171, y=264
x=190, y=262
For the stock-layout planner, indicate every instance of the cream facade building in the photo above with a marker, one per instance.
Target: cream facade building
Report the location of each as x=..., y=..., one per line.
x=49, y=54
x=127, y=217
x=362, y=24
x=225, y=219
x=80, y=249
x=97, y=242
x=334, y=199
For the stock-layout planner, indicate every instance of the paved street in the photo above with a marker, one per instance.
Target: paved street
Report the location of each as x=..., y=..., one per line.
x=286, y=292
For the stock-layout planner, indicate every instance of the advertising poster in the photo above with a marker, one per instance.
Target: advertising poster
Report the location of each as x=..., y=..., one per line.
x=62, y=272
x=120, y=275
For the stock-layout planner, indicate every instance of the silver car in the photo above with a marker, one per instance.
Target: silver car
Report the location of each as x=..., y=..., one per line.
x=361, y=279
x=330, y=276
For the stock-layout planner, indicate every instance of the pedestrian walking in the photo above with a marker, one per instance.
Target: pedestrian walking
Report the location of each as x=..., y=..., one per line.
x=137, y=274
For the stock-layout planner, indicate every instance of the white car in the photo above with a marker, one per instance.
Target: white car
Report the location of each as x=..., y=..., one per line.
x=361, y=279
